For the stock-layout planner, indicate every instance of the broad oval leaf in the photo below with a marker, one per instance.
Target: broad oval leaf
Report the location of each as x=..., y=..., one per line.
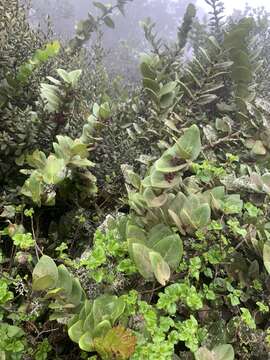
x=160, y=268
x=108, y=21
x=223, y=352
x=189, y=144
x=86, y=342
x=45, y=274
x=266, y=256
x=171, y=249
x=75, y=332
x=142, y=260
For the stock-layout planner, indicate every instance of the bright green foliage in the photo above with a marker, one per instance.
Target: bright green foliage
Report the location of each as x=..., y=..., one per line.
x=179, y=292
x=67, y=165
x=12, y=342
x=20, y=238
x=39, y=57
x=107, y=249
x=247, y=318
x=23, y=241
x=5, y=294
x=190, y=333
x=43, y=350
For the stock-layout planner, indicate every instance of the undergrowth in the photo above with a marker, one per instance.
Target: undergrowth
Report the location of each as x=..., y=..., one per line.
x=135, y=224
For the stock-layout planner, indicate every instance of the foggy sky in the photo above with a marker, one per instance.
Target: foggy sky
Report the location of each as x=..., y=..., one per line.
x=239, y=4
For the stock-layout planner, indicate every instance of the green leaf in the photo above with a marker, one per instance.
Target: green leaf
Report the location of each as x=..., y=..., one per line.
x=189, y=144
x=108, y=307
x=108, y=21
x=50, y=95
x=74, y=76
x=160, y=267
x=151, y=84
x=45, y=274
x=102, y=328
x=75, y=332
x=232, y=204
x=221, y=352
x=201, y=216
x=167, y=100
x=258, y=148
x=33, y=188
x=162, y=181
x=224, y=352
x=54, y=170
x=241, y=73
x=168, y=88
x=64, y=280
x=169, y=161
x=266, y=256
x=76, y=293
x=207, y=99
x=170, y=248
x=204, y=354
x=147, y=72
x=100, y=6
x=157, y=233
x=86, y=342
x=71, y=77
x=142, y=260
x=154, y=201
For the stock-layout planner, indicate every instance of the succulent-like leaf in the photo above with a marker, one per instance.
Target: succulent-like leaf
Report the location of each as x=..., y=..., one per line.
x=189, y=144
x=160, y=267
x=171, y=249
x=102, y=328
x=266, y=256
x=146, y=71
x=220, y=352
x=45, y=274
x=142, y=260
x=64, y=280
x=75, y=332
x=152, y=200
x=86, y=342
x=107, y=307
x=76, y=293
x=54, y=170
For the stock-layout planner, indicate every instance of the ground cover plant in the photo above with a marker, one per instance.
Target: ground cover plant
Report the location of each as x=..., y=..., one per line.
x=135, y=224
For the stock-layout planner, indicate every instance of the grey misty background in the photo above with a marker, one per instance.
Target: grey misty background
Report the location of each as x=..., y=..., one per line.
x=124, y=43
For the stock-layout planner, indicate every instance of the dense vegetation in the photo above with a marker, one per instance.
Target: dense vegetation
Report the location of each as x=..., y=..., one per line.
x=135, y=219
